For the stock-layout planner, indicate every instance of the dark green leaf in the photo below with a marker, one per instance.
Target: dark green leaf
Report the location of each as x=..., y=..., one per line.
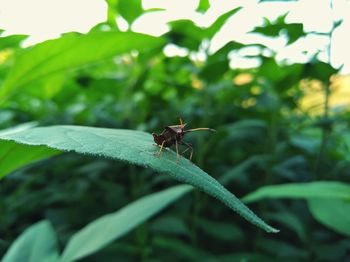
x=130, y=9
x=13, y=156
x=70, y=52
x=319, y=70
x=320, y=189
x=186, y=33
x=135, y=147
x=37, y=243
x=104, y=230
x=333, y=213
x=293, y=31
x=10, y=152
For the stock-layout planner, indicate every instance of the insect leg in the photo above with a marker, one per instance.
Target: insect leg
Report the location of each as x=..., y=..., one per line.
x=177, y=151
x=160, y=150
x=189, y=146
x=183, y=152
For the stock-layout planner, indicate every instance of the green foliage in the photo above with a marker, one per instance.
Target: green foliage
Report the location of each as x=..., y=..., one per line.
x=321, y=189
x=11, y=41
x=70, y=52
x=203, y=5
x=282, y=138
x=10, y=161
x=186, y=34
x=292, y=31
x=109, y=227
x=329, y=202
x=135, y=147
x=333, y=213
x=37, y=243
x=130, y=9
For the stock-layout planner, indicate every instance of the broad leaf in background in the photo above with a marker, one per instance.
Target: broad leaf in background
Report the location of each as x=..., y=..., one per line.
x=14, y=156
x=104, y=230
x=70, y=52
x=319, y=70
x=186, y=33
x=274, y=29
x=320, y=189
x=135, y=147
x=37, y=243
x=333, y=213
x=329, y=202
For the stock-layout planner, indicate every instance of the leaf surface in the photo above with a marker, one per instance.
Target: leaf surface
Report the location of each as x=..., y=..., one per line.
x=329, y=202
x=37, y=243
x=70, y=52
x=137, y=148
x=320, y=189
x=333, y=213
x=104, y=230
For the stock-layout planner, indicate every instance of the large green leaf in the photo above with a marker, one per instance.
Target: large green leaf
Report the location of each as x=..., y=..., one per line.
x=321, y=189
x=104, y=230
x=329, y=202
x=135, y=147
x=37, y=243
x=69, y=52
x=14, y=156
x=332, y=213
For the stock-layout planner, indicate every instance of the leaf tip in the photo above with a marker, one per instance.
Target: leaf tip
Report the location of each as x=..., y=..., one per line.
x=274, y=230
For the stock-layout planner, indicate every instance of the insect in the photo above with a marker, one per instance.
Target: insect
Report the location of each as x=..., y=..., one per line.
x=173, y=135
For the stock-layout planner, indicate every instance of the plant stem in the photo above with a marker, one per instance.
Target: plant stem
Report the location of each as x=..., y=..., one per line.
x=326, y=130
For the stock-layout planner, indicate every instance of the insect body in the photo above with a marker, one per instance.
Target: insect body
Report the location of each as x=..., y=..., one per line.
x=173, y=135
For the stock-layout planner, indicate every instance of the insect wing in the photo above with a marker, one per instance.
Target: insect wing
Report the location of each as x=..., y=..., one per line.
x=176, y=128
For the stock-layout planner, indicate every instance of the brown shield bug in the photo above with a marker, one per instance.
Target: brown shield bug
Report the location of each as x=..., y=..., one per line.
x=173, y=135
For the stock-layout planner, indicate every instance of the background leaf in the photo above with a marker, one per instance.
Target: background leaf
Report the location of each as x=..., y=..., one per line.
x=70, y=52
x=13, y=156
x=10, y=152
x=321, y=189
x=11, y=41
x=37, y=243
x=136, y=147
x=333, y=213
x=329, y=202
x=130, y=9
x=203, y=6
x=104, y=230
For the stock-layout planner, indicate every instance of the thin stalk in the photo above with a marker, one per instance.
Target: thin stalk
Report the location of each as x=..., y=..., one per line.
x=327, y=92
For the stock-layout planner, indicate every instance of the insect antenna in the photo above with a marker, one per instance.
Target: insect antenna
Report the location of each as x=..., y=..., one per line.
x=200, y=129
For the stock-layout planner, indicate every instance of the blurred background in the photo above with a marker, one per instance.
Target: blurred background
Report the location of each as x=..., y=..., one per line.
x=271, y=77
